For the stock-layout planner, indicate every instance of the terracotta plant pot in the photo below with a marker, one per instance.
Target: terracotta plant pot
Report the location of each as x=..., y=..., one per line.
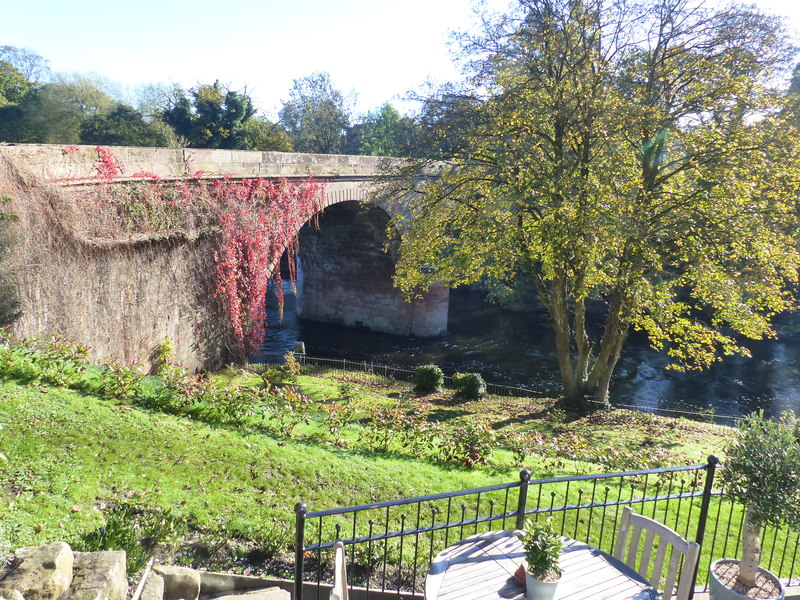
x=717, y=590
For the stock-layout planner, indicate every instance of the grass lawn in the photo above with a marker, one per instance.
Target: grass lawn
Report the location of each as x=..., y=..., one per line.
x=221, y=496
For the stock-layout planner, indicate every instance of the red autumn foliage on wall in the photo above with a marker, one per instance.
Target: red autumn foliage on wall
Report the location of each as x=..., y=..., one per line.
x=251, y=222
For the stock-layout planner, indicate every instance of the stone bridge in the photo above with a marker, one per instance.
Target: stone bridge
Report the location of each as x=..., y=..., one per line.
x=124, y=305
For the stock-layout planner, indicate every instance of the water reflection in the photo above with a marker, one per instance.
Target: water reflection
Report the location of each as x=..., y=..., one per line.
x=518, y=349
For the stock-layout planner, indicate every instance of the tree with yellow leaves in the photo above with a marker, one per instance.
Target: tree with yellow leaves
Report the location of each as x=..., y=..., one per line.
x=623, y=152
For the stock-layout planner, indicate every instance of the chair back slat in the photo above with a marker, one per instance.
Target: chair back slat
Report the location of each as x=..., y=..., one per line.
x=658, y=564
x=664, y=539
x=647, y=549
x=339, y=590
x=685, y=582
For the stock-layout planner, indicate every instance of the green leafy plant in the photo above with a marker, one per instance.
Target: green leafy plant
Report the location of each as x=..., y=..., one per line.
x=119, y=532
x=120, y=382
x=428, y=379
x=347, y=391
x=228, y=404
x=289, y=407
x=291, y=366
x=762, y=472
x=393, y=424
x=60, y=361
x=136, y=531
x=469, y=386
x=338, y=414
x=542, y=548
x=3, y=416
x=520, y=443
x=162, y=356
x=471, y=442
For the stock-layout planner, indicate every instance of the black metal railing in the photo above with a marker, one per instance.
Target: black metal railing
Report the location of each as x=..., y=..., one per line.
x=390, y=545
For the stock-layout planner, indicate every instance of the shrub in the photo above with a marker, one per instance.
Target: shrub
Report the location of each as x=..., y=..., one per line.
x=347, y=392
x=120, y=382
x=428, y=379
x=289, y=407
x=291, y=366
x=229, y=404
x=60, y=362
x=177, y=393
x=471, y=442
x=162, y=357
x=387, y=425
x=521, y=444
x=469, y=386
x=338, y=414
x=762, y=472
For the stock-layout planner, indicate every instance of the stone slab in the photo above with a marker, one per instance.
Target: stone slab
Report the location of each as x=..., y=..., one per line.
x=153, y=588
x=271, y=593
x=99, y=576
x=39, y=573
x=180, y=583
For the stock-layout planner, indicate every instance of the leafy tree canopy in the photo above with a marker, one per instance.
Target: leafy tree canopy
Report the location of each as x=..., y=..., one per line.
x=53, y=113
x=622, y=152
x=210, y=116
x=386, y=133
x=13, y=84
x=262, y=134
x=316, y=116
x=122, y=126
x=31, y=66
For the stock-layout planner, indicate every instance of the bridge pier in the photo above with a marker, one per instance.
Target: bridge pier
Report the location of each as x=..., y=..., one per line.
x=344, y=276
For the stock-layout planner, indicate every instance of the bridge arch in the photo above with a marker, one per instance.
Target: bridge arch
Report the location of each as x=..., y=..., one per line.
x=345, y=275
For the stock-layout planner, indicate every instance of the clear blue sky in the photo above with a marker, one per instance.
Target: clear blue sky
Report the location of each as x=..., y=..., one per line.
x=380, y=49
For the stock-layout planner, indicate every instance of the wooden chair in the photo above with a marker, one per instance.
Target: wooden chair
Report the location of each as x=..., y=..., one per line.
x=660, y=536
x=339, y=591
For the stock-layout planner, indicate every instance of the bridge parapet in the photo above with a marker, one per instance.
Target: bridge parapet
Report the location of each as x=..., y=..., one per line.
x=66, y=163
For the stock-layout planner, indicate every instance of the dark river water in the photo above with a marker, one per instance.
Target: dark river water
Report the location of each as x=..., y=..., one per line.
x=517, y=349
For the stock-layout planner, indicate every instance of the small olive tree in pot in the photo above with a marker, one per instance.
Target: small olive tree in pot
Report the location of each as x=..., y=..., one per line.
x=762, y=473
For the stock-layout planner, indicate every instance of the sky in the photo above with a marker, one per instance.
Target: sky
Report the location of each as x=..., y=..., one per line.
x=379, y=49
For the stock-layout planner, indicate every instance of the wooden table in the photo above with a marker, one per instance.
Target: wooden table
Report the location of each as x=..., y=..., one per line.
x=481, y=567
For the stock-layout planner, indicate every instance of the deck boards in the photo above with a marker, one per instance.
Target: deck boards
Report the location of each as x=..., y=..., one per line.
x=481, y=567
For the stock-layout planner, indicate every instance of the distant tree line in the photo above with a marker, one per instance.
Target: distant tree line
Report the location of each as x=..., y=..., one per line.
x=38, y=106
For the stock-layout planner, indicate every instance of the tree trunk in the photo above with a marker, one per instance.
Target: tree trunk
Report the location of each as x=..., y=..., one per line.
x=751, y=552
x=559, y=313
x=582, y=341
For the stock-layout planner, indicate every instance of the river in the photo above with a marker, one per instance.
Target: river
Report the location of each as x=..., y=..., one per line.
x=517, y=349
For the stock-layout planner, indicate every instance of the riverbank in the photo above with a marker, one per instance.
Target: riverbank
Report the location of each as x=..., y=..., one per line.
x=512, y=348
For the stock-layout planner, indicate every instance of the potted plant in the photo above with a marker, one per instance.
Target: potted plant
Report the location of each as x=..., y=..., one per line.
x=762, y=473
x=542, y=548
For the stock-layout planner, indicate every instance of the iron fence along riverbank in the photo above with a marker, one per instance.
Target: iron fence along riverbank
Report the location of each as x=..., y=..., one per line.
x=369, y=371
